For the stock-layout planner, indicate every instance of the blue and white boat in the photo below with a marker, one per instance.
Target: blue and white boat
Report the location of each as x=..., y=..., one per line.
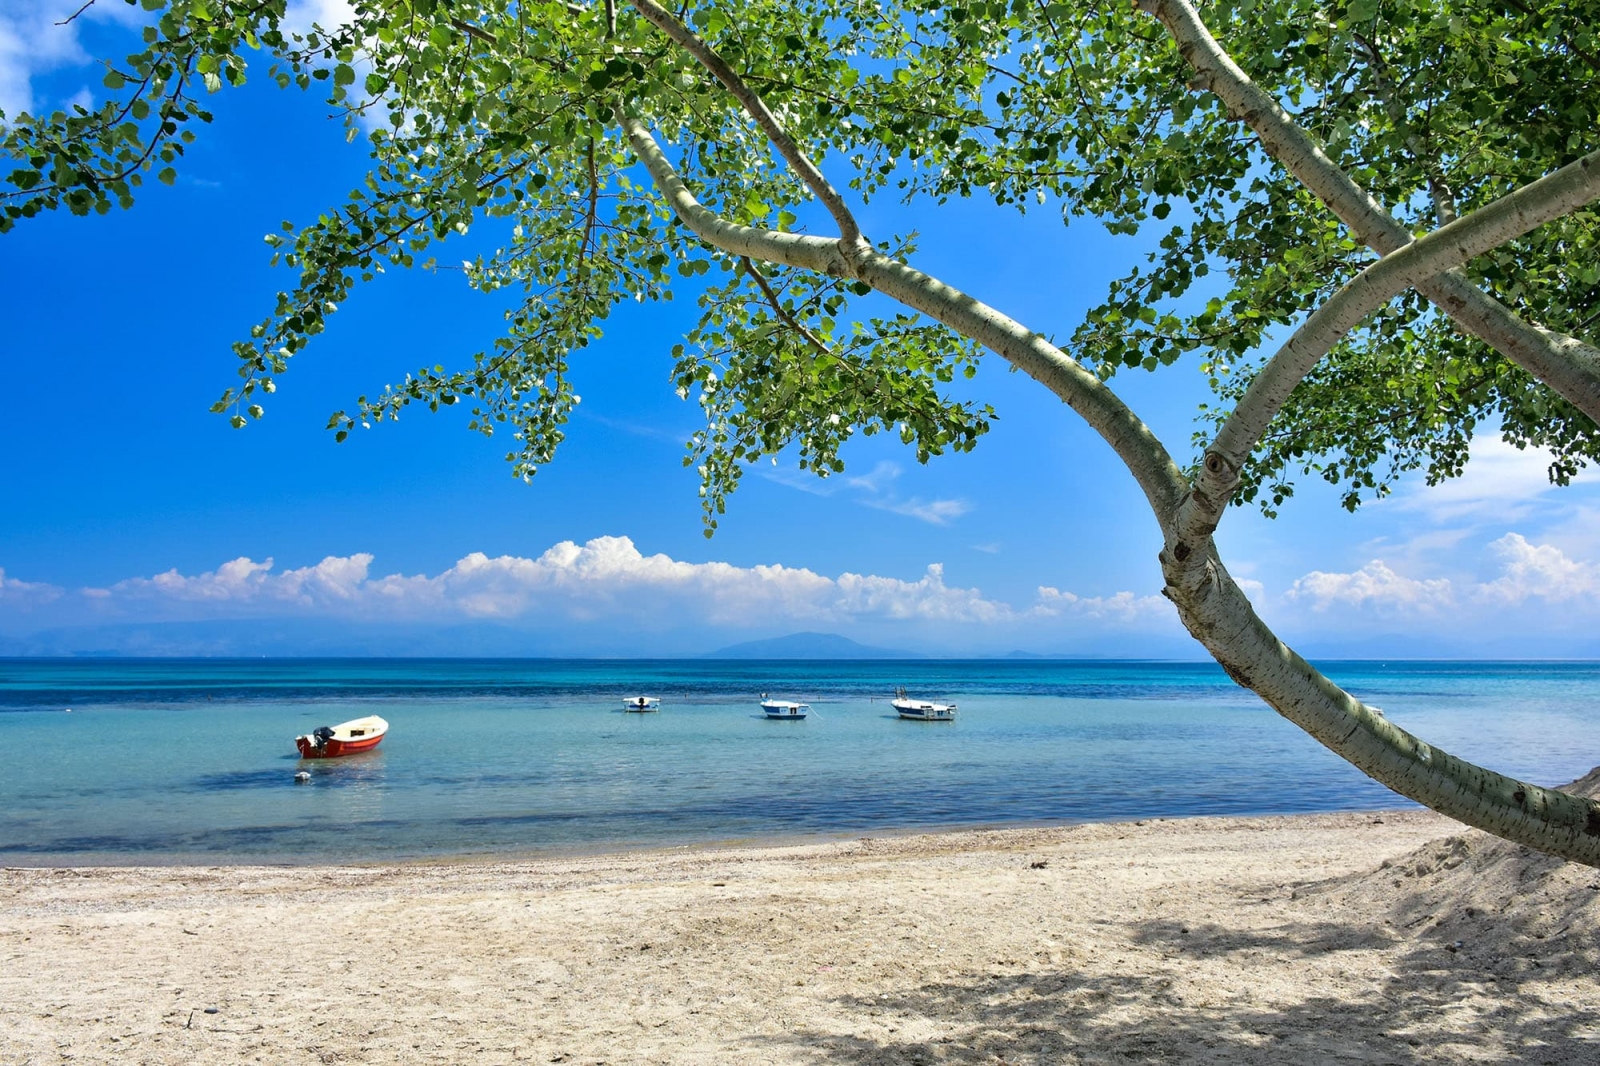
x=921, y=710
x=785, y=709
x=640, y=704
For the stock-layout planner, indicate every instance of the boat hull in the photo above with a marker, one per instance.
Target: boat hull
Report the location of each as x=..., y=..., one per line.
x=346, y=738
x=333, y=749
x=916, y=711
x=782, y=709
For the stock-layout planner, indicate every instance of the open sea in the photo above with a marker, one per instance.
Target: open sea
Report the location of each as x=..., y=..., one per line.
x=172, y=760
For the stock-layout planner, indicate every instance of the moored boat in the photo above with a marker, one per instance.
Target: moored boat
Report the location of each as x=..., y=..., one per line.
x=346, y=738
x=921, y=710
x=786, y=709
x=642, y=703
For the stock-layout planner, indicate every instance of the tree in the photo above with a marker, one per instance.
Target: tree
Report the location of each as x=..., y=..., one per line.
x=624, y=144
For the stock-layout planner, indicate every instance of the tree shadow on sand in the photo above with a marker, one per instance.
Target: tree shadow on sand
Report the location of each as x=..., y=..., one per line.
x=1418, y=1013
x=1470, y=949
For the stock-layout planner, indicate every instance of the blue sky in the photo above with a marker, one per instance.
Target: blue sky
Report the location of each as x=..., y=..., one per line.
x=133, y=520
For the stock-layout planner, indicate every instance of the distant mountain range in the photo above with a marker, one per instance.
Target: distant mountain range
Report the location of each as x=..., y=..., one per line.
x=809, y=646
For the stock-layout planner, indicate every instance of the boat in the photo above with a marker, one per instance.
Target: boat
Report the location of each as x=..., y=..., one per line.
x=921, y=710
x=785, y=709
x=642, y=703
x=346, y=738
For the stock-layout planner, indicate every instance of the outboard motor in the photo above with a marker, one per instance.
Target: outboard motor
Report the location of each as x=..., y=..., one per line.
x=322, y=734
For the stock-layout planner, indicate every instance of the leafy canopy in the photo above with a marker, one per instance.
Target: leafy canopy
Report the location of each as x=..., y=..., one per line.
x=505, y=113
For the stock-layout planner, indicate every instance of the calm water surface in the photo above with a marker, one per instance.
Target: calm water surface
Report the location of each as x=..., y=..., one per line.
x=193, y=760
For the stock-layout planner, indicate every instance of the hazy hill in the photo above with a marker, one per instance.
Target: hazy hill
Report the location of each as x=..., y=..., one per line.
x=809, y=646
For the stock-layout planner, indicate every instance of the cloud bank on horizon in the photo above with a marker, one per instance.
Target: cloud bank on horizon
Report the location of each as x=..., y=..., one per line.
x=605, y=580
x=608, y=584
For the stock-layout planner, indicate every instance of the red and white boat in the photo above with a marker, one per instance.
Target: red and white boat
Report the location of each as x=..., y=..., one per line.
x=346, y=738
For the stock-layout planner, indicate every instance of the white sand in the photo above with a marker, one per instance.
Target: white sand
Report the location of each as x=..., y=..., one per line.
x=1273, y=940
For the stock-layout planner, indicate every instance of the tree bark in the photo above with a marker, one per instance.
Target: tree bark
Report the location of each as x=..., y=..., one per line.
x=1217, y=613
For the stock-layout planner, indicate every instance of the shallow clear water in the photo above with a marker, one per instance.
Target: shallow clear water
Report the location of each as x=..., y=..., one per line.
x=193, y=760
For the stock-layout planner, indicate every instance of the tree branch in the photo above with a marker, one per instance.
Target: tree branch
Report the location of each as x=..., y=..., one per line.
x=1552, y=196
x=1144, y=455
x=1566, y=364
x=777, y=307
x=662, y=19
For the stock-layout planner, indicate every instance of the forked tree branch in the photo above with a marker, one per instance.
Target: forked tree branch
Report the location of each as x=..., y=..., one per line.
x=1514, y=214
x=706, y=56
x=1566, y=364
x=1209, y=603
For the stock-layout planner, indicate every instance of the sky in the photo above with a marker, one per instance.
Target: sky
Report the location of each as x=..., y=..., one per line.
x=132, y=521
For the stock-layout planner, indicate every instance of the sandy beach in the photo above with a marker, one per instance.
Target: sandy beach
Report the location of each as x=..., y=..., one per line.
x=1373, y=938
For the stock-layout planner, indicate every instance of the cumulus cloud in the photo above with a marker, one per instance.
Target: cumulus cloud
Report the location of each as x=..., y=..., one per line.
x=334, y=580
x=1539, y=571
x=1374, y=585
x=25, y=594
x=930, y=598
x=603, y=586
x=1120, y=607
x=606, y=577
x=1526, y=572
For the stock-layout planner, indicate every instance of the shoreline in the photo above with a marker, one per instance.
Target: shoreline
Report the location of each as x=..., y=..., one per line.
x=557, y=853
x=1316, y=937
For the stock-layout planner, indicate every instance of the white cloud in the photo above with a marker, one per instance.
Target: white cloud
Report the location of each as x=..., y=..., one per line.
x=929, y=598
x=1526, y=572
x=881, y=478
x=935, y=512
x=33, y=42
x=1120, y=607
x=25, y=594
x=1538, y=571
x=875, y=489
x=329, y=14
x=1374, y=585
x=606, y=577
x=1500, y=483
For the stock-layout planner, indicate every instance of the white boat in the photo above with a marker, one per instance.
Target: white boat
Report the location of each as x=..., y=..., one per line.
x=921, y=710
x=642, y=703
x=785, y=709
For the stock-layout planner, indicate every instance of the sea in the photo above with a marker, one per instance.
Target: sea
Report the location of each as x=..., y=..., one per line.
x=125, y=761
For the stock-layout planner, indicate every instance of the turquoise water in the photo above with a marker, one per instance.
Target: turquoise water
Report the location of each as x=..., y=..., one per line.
x=193, y=760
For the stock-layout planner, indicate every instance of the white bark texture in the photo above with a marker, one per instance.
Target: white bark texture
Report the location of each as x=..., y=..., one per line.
x=1566, y=364
x=1218, y=614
